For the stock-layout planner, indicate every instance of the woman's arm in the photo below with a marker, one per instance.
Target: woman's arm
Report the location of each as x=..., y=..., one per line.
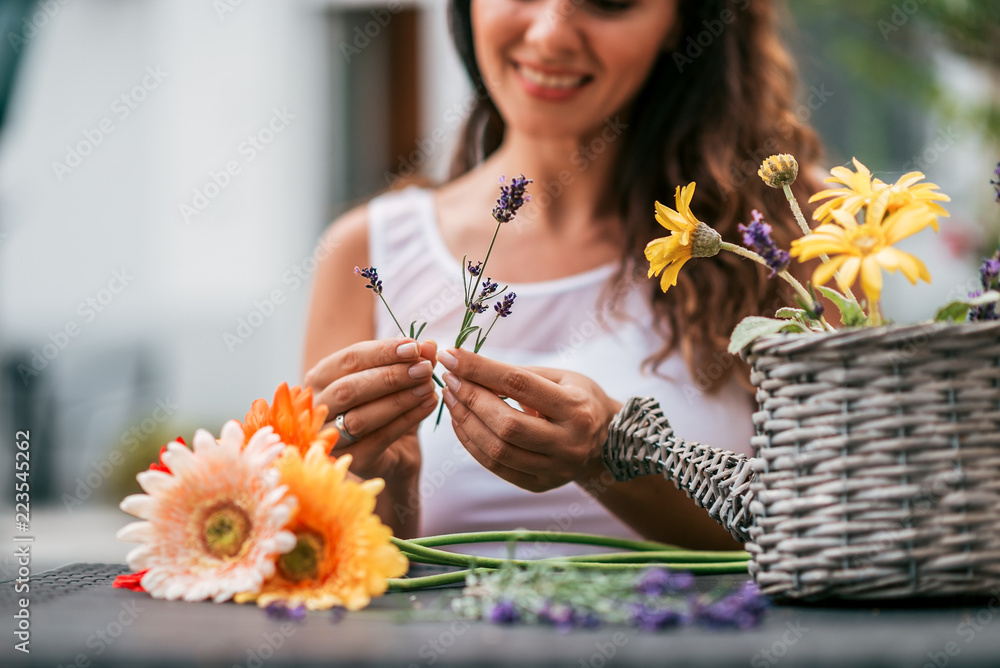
x=558, y=439
x=383, y=388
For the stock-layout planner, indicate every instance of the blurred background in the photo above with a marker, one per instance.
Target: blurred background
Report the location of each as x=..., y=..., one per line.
x=167, y=167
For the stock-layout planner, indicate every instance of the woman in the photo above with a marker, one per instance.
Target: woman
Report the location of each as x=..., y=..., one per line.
x=607, y=106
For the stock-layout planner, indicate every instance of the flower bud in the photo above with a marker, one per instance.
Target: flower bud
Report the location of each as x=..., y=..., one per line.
x=779, y=171
x=705, y=242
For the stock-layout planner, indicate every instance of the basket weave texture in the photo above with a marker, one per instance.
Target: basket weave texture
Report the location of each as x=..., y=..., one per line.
x=877, y=469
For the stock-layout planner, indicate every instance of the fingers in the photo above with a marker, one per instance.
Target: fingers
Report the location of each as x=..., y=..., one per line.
x=369, y=418
x=373, y=384
x=473, y=405
x=505, y=380
x=387, y=433
x=361, y=356
x=497, y=461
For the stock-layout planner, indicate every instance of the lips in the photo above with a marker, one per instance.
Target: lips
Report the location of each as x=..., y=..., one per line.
x=549, y=84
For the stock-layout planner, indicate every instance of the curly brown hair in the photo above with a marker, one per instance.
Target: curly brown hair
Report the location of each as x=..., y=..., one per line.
x=716, y=106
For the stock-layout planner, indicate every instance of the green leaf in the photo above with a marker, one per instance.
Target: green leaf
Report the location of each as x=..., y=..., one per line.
x=753, y=327
x=464, y=334
x=416, y=334
x=958, y=310
x=790, y=313
x=851, y=313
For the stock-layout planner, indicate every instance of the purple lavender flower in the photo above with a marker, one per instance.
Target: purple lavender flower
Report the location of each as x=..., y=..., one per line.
x=989, y=275
x=280, y=610
x=371, y=273
x=504, y=612
x=489, y=287
x=743, y=609
x=653, y=582
x=757, y=235
x=477, y=307
x=474, y=270
x=996, y=184
x=654, y=619
x=503, y=308
x=511, y=199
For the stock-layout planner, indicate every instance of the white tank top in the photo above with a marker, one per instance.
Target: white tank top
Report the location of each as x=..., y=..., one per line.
x=556, y=323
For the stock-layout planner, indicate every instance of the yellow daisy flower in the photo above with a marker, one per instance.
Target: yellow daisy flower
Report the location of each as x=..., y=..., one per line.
x=342, y=556
x=690, y=238
x=867, y=248
x=861, y=188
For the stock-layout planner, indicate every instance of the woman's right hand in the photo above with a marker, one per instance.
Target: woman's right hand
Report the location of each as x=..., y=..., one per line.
x=383, y=389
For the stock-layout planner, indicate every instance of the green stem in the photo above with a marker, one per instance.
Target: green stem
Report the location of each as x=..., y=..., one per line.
x=439, y=580
x=546, y=536
x=788, y=278
x=664, y=556
x=434, y=376
x=467, y=320
x=806, y=231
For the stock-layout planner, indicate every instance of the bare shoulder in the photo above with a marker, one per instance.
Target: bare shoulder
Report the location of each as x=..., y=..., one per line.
x=341, y=311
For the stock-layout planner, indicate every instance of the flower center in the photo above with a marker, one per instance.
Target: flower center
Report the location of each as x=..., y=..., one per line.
x=866, y=241
x=226, y=529
x=302, y=563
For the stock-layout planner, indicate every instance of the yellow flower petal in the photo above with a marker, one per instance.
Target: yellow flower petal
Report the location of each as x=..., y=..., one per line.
x=894, y=259
x=848, y=272
x=825, y=271
x=871, y=280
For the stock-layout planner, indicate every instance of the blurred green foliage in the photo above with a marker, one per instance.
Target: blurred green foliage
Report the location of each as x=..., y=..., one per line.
x=883, y=59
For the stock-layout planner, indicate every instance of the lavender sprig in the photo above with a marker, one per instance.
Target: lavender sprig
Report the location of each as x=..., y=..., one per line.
x=989, y=276
x=512, y=198
x=375, y=285
x=757, y=235
x=652, y=600
x=996, y=183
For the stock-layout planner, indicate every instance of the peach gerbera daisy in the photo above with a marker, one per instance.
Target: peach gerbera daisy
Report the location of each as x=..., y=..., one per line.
x=213, y=525
x=343, y=555
x=293, y=417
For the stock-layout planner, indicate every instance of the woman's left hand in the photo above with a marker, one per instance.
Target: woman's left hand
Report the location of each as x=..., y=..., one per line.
x=555, y=440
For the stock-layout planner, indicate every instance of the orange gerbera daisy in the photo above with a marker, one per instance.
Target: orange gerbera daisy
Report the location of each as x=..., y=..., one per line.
x=293, y=417
x=343, y=555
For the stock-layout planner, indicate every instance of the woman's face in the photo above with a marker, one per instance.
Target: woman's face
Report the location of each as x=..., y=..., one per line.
x=559, y=68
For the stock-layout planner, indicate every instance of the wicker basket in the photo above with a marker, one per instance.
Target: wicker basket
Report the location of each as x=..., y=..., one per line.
x=878, y=471
x=877, y=468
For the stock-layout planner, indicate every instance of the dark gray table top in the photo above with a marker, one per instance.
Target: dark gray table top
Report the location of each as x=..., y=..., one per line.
x=77, y=619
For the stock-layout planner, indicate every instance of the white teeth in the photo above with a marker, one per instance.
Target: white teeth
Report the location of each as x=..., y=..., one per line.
x=549, y=80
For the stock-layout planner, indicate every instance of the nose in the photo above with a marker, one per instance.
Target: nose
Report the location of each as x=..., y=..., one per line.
x=553, y=31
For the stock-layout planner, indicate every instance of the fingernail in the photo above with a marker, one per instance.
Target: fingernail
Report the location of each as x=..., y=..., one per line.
x=448, y=360
x=423, y=390
x=407, y=350
x=430, y=401
x=449, y=398
x=452, y=381
x=420, y=369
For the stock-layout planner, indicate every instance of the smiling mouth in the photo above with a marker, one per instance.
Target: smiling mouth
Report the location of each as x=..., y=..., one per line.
x=553, y=81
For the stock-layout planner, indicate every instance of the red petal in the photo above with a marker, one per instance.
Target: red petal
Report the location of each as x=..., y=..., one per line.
x=132, y=581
